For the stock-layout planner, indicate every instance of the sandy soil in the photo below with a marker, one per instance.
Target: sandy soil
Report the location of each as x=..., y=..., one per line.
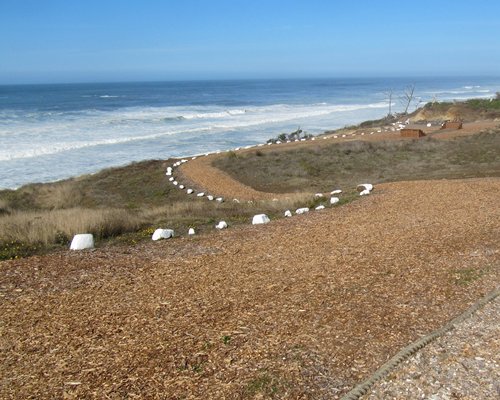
x=300, y=308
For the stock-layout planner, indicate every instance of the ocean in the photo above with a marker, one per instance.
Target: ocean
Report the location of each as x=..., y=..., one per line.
x=52, y=132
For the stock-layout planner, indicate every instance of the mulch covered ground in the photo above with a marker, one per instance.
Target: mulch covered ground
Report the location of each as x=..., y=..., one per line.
x=300, y=308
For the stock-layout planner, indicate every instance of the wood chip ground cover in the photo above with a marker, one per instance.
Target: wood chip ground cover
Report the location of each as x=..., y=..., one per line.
x=300, y=308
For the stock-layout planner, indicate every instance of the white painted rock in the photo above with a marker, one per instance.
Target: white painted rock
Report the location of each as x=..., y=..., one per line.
x=320, y=207
x=82, y=241
x=200, y=194
x=336, y=191
x=364, y=186
x=219, y=200
x=168, y=173
x=302, y=210
x=175, y=183
x=221, y=225
x=191, y=231
x=364, y=192
x=288, y=213
x=171, y=179
x=181, y=186
x=162, y=234
x=429, y=125
x=334, y=200
x=210, y=197
x=189, y=191
x=317, y=195
x=260, y=219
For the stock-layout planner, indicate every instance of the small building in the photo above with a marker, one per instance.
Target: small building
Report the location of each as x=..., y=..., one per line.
x=452, y=125
x=412, y=133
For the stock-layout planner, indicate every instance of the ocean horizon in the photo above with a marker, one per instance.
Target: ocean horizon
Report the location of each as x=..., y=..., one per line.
x=50, y=132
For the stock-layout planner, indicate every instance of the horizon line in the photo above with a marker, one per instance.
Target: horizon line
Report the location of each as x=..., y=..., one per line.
x=184, y=80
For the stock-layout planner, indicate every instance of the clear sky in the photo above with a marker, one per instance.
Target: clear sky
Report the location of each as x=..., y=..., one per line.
x=111, y=40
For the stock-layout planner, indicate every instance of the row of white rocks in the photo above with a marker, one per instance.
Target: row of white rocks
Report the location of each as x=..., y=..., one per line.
x=86, y=240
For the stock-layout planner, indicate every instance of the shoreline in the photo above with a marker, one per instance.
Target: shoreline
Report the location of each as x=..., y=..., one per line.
x=366, y=124
x=241, y=132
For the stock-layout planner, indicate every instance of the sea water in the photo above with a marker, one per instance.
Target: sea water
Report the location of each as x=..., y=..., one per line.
x=51, y=132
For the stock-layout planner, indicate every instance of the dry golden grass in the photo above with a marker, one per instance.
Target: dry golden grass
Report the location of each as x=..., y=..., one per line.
x=58, y=226
x=53, y=226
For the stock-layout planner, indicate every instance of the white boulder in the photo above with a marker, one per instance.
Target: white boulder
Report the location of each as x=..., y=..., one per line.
x=219, y=200
x=334, y=200
x=210, y=197
x=181, y=186
x=162, y=234
x=175, y=183
x=171, y=179
x=221, y=225
x=191, y=231
x=260, y=219
x=302, y=210
x=429, y=125
x=336, y=191
x=320, y=207
x=364, y=186
x=82, y=241
x=288, y=213
x=189, y=191
x=200, y=194
x=364, y=192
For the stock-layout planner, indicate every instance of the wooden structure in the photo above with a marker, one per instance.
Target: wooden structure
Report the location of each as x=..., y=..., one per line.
x=452, y=125
x=412, y=133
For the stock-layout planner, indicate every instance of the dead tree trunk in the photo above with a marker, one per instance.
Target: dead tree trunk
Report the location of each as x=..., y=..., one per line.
x=407, y=97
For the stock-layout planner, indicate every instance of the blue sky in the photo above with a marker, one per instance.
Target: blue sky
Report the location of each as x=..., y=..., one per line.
x=109, y=40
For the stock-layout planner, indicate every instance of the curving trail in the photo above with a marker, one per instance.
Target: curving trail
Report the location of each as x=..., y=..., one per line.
x=202, y=174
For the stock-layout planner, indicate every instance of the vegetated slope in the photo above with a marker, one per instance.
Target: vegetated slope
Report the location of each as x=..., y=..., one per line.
x=301, y=308
x=345, y=164
x=469, y=110
x=135, y=185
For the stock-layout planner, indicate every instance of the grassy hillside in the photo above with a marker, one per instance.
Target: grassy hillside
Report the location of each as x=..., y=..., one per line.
x=346, y=164
x=120, y=204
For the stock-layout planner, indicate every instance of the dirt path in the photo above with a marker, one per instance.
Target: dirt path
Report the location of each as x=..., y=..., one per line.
x=200, y=173
x=304, y=307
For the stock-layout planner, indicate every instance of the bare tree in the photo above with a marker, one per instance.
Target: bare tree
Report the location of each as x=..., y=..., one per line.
x=407, y=97
x=388, y=96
